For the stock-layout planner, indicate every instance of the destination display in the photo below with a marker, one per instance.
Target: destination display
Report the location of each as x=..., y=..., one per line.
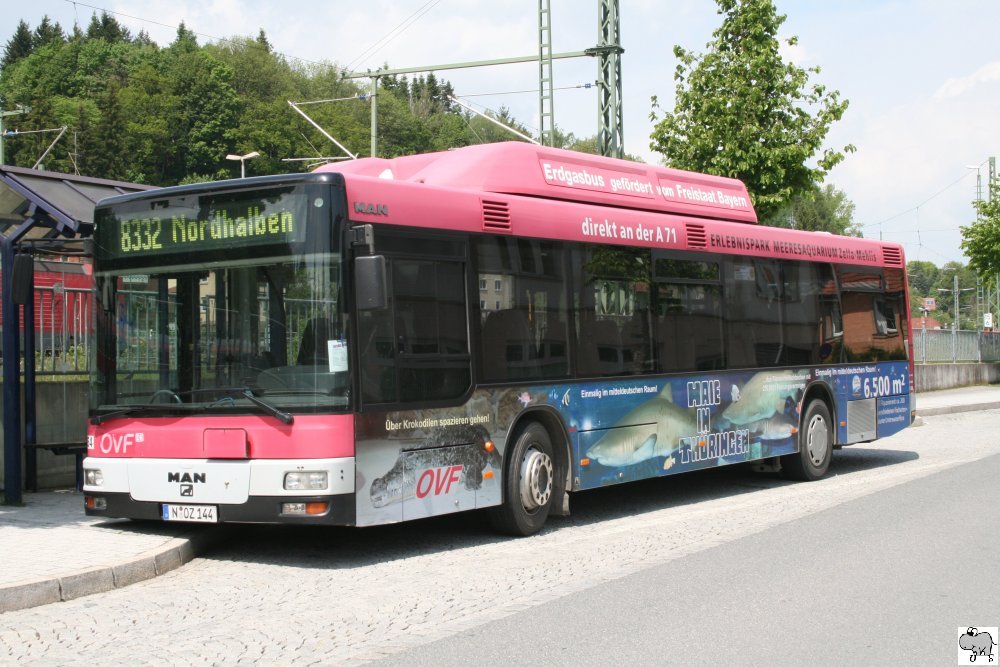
x=193, y=224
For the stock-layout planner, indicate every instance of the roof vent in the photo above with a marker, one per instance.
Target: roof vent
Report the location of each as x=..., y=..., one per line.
x=892, y=256
x=697, y=237
x=496, y=216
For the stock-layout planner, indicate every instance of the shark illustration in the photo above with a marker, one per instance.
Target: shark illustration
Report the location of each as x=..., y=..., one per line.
x=764, y=396
x=654, y=428
x=775, y=428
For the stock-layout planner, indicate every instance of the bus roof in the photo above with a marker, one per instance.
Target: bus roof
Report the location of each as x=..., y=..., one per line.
x=518, y=168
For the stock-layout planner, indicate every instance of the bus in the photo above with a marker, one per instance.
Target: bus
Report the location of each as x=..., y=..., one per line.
x=492, y=327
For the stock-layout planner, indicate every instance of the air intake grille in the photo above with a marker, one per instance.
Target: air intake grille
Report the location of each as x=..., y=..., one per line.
x=861, y=420
x=697, y=238
x=892, y=256
x=496, y=216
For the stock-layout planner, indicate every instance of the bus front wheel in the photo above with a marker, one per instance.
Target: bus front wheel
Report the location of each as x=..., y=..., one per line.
x=812, y=460
x=528, y=484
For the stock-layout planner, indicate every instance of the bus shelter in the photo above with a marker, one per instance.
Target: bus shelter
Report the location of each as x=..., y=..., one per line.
x=40, y=212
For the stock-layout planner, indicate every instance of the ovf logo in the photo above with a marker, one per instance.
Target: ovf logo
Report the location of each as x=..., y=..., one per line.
x=976, y=645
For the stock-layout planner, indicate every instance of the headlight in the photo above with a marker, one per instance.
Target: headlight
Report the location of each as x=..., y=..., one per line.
x=306, y=481
x=93, y=477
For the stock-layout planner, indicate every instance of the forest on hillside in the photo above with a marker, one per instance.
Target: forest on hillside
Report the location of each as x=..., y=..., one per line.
x=139, y=112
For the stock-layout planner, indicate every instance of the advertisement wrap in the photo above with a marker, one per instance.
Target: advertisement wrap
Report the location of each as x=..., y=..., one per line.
x=412, y=464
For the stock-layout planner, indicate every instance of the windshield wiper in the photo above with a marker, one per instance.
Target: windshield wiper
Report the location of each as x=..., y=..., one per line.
x=270, y=409
x=247, y=393
x=97, y=420
x=235, y=392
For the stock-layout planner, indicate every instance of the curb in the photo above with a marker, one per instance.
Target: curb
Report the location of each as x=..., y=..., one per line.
x=152, y=563
x=953, y=409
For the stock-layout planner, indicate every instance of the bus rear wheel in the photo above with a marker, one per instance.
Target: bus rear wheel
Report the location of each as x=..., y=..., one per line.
x=528, y=483
x=812, y=461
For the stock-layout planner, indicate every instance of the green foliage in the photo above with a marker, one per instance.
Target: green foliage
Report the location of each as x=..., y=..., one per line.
x=165, y=115
x=19, y=46
x=46, y=32
x=742, y=111
x=825, y=209
x=922, y=277
x=981, y=239
x=107, y=28
x=927, y=280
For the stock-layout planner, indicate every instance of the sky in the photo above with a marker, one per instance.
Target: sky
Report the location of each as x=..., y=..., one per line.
x=922, y=76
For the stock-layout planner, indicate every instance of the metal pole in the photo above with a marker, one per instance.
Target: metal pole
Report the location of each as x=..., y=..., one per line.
x=324, y=132
x=11, y=382
x=492, y=120
x=30, y=423
x=954, y=326
x=374, y=116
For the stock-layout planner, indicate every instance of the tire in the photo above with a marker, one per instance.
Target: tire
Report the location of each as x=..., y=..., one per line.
x=528, y=485
x=812, y=461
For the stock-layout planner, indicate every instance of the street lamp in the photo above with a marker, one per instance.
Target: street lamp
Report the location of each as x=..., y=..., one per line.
x=242, y=160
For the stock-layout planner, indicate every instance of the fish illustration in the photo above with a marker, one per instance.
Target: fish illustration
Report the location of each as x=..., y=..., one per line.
x=655, y=427
x=668, y=462
x=775, y=428
x=525, y=398
x=764, y=396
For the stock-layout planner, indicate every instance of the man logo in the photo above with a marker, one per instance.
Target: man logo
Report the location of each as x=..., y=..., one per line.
x=371, y=209
x=187, y=490
x=186, y=477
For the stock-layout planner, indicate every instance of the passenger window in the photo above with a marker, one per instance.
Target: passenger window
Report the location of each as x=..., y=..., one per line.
x=523, y=314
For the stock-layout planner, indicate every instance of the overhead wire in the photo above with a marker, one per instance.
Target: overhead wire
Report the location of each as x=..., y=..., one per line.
x=394, y=33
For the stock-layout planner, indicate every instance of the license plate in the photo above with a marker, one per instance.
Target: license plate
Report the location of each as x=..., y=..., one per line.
x=191, y=513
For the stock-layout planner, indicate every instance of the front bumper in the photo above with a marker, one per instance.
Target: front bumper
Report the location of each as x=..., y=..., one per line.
x=256, y=509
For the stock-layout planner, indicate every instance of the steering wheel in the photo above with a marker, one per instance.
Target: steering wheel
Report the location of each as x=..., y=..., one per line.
x=173, y=398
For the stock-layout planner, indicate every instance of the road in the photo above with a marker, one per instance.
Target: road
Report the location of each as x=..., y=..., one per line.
x=877, y=563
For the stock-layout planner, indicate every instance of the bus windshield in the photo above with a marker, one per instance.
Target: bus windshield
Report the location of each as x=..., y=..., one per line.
x=220, y=327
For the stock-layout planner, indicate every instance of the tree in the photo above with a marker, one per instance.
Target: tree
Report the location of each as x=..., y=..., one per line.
x=262, y=41
x=110, y=133
x=107, y=28
x=824, y=209
x=47, y=31
x=742, y=111
x=20, y=45
x=922, y=277
x=981, y=239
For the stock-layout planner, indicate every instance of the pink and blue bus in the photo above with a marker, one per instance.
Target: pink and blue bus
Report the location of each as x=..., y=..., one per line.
x=494, y=327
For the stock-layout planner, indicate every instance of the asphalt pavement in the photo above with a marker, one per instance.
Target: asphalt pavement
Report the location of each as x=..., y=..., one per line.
x=50, y=551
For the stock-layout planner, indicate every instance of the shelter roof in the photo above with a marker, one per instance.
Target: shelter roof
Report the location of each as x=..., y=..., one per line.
x=52, y=204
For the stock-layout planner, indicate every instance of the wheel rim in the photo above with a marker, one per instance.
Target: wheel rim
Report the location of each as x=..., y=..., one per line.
x=536, y=479
x=817, y=440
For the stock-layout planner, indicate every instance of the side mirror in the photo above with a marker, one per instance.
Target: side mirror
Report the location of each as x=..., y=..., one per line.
x=370, y=282
x=22, y=278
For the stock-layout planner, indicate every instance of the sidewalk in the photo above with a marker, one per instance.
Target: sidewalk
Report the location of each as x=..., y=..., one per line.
x=51, y=551
x=962, y=399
